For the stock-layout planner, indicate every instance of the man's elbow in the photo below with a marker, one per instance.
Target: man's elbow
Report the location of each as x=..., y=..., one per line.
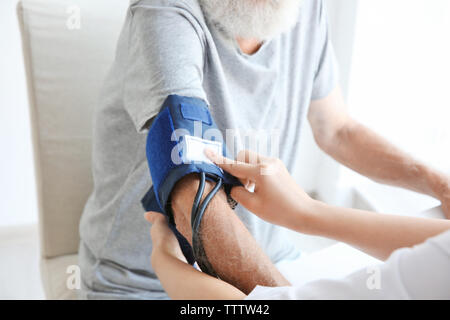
x=330, y=137
x=324, y=136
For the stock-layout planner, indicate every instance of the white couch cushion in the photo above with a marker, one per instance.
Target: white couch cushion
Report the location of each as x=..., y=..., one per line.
x=55, y=274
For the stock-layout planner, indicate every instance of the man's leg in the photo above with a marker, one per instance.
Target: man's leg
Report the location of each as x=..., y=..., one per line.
x=229, y=246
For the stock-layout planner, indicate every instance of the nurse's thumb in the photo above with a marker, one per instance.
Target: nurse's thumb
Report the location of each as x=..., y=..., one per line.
x=243, y=197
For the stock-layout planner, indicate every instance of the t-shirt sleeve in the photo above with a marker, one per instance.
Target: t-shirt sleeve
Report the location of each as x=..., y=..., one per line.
x=421, y=272
x=326, y=76
x=165, y=56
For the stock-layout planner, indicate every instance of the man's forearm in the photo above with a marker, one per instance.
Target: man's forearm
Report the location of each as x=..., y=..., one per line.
x=362, y=150
x=228, y=245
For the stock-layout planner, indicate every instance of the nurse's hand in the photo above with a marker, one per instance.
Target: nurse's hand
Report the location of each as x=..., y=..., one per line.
x=276, y=197
x=163, y=239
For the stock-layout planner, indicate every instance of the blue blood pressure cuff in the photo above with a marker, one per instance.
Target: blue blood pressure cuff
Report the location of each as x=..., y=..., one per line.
x=175, y=144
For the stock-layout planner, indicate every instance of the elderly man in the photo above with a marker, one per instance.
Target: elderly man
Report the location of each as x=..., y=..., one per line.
x=258, y=64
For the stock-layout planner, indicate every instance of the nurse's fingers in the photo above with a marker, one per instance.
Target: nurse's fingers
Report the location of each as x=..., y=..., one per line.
x=248, y=156
x=238, y=169
x=154, y=217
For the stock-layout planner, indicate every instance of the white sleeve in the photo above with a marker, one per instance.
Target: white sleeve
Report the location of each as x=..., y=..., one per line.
x=421, y=272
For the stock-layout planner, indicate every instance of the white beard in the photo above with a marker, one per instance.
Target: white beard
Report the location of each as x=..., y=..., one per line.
x=252, y=19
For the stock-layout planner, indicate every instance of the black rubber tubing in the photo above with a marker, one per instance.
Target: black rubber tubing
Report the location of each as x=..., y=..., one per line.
x=197, y=213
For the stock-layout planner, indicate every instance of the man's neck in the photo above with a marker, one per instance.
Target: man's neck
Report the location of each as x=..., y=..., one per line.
x=249, y=46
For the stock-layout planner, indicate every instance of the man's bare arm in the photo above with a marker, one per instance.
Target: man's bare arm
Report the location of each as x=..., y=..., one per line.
x=364, y=151
x=229, y=246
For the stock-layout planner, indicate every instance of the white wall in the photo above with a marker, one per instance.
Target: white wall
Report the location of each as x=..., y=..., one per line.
x=399, y=87
x=17, y=189
x=19, y=253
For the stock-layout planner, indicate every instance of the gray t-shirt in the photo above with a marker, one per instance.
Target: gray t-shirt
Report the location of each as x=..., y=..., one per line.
x=167, y=47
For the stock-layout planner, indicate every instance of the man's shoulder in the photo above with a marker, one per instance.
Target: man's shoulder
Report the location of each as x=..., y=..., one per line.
x=189, y=5
x=186, y=9
x=178, y=18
